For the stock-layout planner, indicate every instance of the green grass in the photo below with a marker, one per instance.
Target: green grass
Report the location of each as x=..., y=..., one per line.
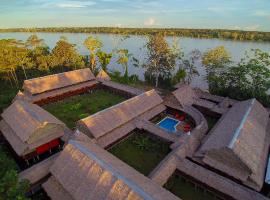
x=185, y=190
x=211, y=121
x=141, y=152
x=77, y=107
x=7, y=93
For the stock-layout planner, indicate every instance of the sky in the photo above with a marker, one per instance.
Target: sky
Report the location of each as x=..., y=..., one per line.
x=225, y=14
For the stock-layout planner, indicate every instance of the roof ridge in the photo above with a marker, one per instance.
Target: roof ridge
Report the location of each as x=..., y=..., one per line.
x=111, y=169
x=240, y=127
x=123, y=102
x=50, y=75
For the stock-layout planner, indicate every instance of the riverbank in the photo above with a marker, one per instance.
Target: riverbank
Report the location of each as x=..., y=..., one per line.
x=237, y=35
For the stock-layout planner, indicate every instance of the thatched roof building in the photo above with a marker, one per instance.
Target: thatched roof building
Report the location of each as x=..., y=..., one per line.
x=86, y=171
x=185, y=95
x=103, y=75
x=27, y=126
x=54, y=85
x=188, y=96
x=99, y=124
x=238, y=145
x=56, y=81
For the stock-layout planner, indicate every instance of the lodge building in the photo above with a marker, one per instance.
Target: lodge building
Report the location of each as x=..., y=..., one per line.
x=230, y=160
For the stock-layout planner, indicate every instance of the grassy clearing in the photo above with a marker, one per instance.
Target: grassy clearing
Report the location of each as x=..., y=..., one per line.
x=141, y=152
x=77, y=107
x=185, y=190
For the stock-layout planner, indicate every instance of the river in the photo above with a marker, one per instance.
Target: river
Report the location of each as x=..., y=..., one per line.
x=135, y=46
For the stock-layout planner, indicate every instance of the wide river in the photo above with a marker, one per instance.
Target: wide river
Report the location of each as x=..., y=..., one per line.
x=135, y=46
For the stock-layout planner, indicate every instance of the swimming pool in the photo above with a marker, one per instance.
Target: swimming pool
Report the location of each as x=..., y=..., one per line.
x=169, y=124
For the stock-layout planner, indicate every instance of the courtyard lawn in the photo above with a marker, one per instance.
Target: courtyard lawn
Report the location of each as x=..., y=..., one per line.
x=141, y=151
x=211, y=121
x=185, y=190
x=74, y=108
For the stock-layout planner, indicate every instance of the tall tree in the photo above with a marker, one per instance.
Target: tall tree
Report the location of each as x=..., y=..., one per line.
x=188, y=64
x=160, y=59
x=13, y=55
x=104, y=59
x=215, y=62
x=33, y=41
x=65, y=54
x=93, y=44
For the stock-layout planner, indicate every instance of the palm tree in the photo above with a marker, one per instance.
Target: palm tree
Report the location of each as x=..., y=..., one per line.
x=93, y=44
x=104, y=59
x=123, y=57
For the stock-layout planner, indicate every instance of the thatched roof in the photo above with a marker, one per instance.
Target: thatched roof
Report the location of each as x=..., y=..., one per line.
x=123, y=88
x=107, y=120
x=236, y=145
x=103, y=75
x=56, y=81
x=185, y=95
x=86, y=171
x=27, y=126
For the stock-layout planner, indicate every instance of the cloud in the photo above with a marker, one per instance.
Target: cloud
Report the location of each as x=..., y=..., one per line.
x=252, y=27
x=75, y=4
x=261, y=13
x=118, y=25
x=150, y=22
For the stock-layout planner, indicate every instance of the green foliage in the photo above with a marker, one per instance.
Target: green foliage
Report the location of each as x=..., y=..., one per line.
x=187, y=68
x=64, y=54
x=160, y=59
x=130, y=80
x=93, y=44
x=215, y=62
x=250, y=78
x=13, y=55
x=10, y=187
x=33, y=42
x=179, y=77
x=141, y=152
x=123, y=58
x=104, y=59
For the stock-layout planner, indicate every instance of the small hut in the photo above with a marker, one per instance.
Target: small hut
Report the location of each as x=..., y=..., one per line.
x=103, y=75
x=30, y=130
x=86, y=171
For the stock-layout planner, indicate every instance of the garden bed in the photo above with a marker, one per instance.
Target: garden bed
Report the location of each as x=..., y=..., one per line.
x=74, y=108
x=141, y=151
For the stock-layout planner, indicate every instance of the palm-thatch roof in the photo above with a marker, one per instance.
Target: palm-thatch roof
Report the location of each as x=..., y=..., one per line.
x=86, y=171
x=107, y=120
x=122, y=88
x=185, y=95
x=56, y=81
x=27, y=126
x=103, y=75
x=238, y=144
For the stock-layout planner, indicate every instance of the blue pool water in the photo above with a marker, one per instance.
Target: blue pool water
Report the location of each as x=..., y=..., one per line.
x=169, y=124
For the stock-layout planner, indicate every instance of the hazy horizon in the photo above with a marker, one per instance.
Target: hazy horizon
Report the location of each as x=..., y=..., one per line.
x=251, y=15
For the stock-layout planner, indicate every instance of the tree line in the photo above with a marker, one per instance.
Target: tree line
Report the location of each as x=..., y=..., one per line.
x=245, y=79
x=239, y=35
